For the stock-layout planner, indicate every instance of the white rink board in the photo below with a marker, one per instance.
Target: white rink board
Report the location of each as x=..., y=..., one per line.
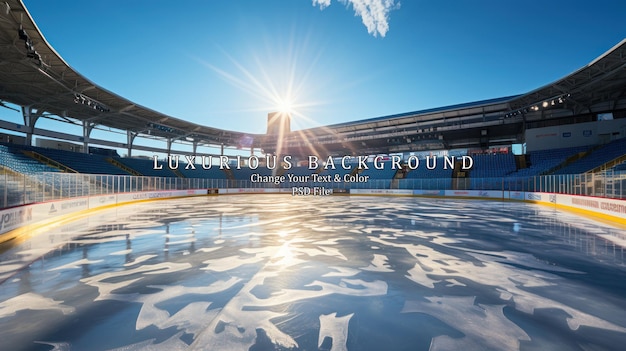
x=429, y=192
x=16, y=217
x=611, y=207
x=540, y=197
x=514, y=195
x=492, y=194
x=380, y=192
x=102, y=200
x=253, y=190
x=150, y=195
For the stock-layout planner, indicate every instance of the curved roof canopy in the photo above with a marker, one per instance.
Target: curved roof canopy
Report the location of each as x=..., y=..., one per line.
x=33, y=74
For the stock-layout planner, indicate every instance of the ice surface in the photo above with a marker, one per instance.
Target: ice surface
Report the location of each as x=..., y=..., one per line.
x=341, y=272
x=56, y=346
x=379, y=264
x=336, y=328
x=255, y=273
x=229, y=263
x=76, y=264
x=106, y=289
x=121, y=252
x=172, y=344
x=32, y=301
x=139, y=260
x=477, y=323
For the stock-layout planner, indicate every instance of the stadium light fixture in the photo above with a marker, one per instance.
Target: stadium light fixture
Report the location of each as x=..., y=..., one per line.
x=22, y=34
x=556, y=100
x=28, y=44
x=84, y=100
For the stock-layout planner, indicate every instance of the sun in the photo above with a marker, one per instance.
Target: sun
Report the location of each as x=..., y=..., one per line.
x=277, y=78
x=284, y=105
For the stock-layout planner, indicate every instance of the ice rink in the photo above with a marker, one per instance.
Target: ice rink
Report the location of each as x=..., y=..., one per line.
x=276, y=272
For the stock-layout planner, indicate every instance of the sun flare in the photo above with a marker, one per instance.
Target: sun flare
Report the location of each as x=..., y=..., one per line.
x=284, y=105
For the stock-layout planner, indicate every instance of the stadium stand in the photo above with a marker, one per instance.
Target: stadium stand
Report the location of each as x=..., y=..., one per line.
x=381, y=177
x=596, y=158
x=212, y=173
x=30, y=173
x=12, y=157
x=545, y=160
x=300, y=172
x=80, y=162
x=244, y=173
x=428, y=179
x=146, y=167
x=493, y=165
x=490, y=169
x=423, y=172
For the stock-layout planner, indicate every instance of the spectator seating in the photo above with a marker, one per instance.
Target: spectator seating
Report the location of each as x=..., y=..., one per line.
x=146, y=167
x=545, y=160
x=12, y=157
x=428, y=179
x=81, y=162
x=596, y=158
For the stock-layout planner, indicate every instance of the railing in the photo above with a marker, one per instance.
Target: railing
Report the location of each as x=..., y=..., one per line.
x=19, y=189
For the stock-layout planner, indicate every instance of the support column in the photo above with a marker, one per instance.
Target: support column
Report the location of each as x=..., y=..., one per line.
x=87, y=128
x=169, y=146
x=195, y=146
x=130, y=138
x=30, y=118
x=222, y=150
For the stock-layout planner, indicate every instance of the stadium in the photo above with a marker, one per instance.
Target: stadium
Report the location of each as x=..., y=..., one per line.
x=491, y=225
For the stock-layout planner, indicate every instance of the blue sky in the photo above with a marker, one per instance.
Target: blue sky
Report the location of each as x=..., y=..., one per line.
x=226, y=63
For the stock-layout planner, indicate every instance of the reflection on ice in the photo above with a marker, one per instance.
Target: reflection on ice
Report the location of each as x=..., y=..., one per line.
x=139, y=260
x=341, y=272
x=379, y=264
x=75, y=264
x=121, y=253
x=335, y=328
x=228, y=263
x=31, y=301
x=477, y=323
x=57, y=346
x=172, y=344
x=251, y=273
x=106, y=289
x=234, y=328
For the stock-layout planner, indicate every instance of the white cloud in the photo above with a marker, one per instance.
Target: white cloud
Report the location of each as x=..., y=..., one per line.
x=322, y=3
x=373, y=13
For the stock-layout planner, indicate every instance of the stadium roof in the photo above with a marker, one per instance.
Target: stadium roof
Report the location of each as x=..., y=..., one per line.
x=595, y=88
x=33, y=74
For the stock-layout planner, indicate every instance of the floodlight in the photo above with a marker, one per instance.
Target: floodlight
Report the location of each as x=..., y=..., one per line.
x=22, y=34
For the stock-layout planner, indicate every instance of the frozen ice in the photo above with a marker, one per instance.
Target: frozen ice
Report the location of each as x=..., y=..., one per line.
x=256, y=272
x=336, y=328
x=32, y=301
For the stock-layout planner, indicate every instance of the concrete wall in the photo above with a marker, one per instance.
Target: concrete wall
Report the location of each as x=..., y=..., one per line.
x=582, y=134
